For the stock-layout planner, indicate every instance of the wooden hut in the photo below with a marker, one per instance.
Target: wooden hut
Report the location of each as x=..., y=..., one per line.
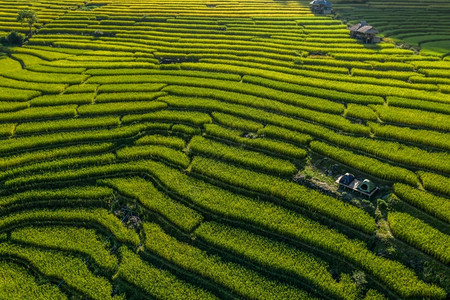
x=322, y=7
x=364, y=32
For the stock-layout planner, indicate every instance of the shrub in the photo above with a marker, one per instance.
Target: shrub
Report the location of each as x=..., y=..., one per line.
x=12, y=39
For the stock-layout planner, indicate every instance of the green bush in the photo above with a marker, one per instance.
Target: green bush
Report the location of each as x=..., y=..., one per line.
x=12, y=39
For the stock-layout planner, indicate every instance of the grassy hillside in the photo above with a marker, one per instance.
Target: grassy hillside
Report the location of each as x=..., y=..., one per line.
x=421, y=24
x=189, y=150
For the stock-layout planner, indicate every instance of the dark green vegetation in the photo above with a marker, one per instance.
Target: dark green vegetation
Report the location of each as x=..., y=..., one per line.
x=188, y=150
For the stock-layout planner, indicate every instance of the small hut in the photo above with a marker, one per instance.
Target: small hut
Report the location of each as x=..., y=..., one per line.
x=322, y=7
x=364, y=32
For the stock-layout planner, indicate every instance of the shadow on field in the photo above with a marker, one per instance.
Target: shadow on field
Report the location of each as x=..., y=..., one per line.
x=374, y=47
x=285, y=2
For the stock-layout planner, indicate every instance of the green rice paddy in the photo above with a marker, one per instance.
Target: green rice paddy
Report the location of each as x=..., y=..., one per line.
x=167, y=149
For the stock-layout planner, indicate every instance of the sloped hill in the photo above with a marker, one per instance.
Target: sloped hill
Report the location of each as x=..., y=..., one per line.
x=188, y=149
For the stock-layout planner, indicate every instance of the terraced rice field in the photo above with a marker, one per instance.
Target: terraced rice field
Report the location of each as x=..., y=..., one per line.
x=188, y=150
x=423, y=24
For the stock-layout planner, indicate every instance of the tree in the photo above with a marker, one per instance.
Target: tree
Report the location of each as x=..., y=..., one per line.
x=27, y=16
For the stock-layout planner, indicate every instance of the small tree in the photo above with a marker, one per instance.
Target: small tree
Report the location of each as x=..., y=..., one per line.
x=27, y=16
